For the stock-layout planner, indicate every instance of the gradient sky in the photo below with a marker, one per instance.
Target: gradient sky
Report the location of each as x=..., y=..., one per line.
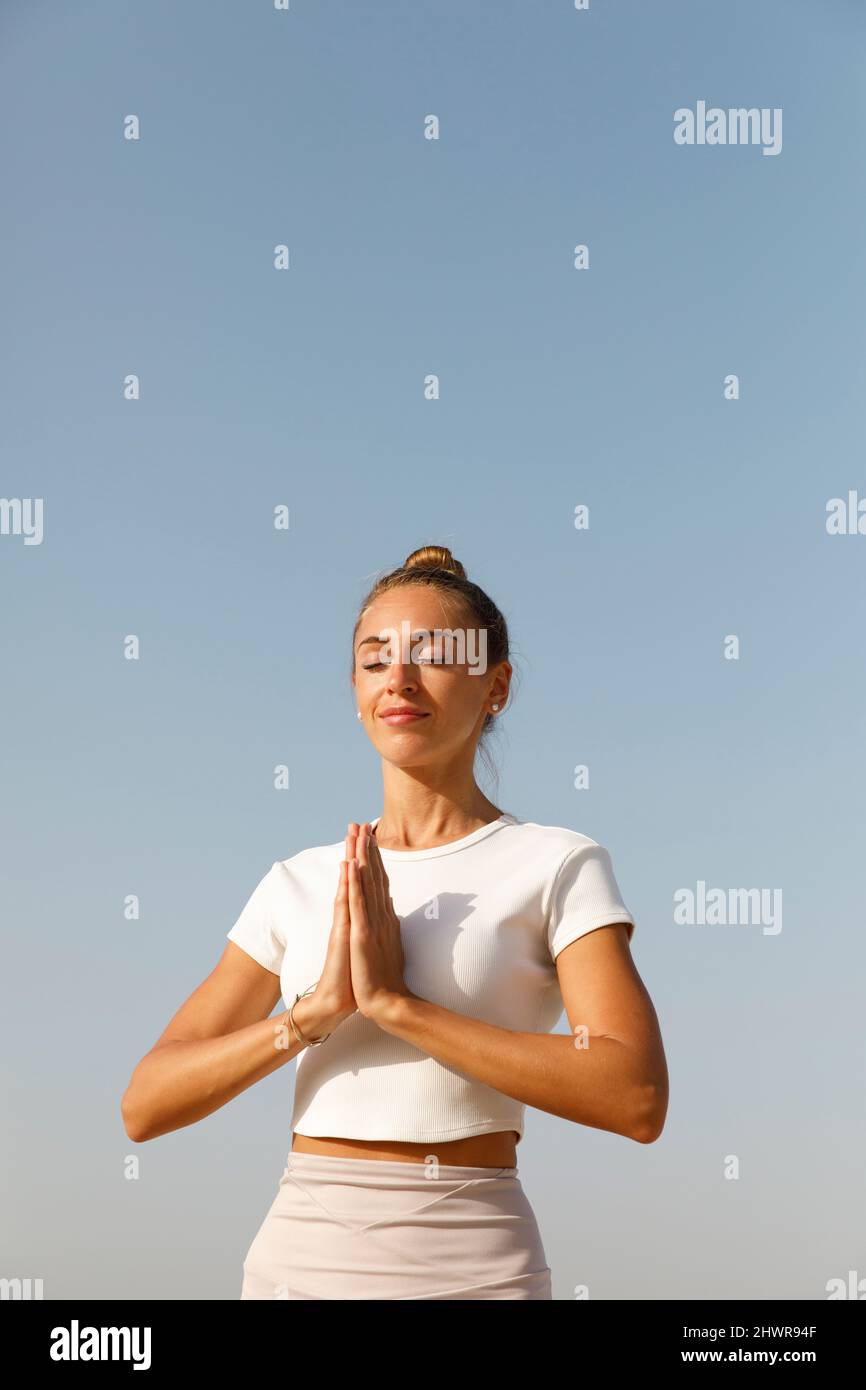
x=558, y=387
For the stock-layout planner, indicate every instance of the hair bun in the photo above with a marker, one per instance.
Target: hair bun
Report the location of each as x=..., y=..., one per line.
x=436, y=557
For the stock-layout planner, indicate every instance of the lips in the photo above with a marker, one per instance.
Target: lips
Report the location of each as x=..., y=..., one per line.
x=402, y=715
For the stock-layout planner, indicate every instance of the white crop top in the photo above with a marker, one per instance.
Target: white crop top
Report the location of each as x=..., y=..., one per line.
x=482, y=921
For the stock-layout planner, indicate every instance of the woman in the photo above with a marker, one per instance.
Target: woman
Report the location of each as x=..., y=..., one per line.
x=442, y=939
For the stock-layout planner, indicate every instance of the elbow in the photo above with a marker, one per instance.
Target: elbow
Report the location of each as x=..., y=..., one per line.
x=649, y=1114
x=133, y=1122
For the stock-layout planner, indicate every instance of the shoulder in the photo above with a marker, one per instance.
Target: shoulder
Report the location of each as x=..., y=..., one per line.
x=562, y=859
x=308, y=864
x=554, y=843
x=301, y=880
x=580, y=892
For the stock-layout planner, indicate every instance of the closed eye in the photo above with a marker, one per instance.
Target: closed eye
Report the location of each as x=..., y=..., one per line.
x=420, y=661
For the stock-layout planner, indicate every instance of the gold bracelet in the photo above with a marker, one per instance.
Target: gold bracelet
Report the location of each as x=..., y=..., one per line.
x=312, y=1042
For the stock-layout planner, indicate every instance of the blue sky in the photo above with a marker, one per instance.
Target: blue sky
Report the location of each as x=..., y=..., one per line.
x=558, y=387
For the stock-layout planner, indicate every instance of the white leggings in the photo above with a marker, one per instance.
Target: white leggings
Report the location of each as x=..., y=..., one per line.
x=356, y=1228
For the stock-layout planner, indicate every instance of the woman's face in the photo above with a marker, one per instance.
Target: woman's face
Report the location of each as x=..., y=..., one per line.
x=414, y=647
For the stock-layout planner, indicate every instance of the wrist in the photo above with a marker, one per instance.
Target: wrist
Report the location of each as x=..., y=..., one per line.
x=393, y=1009
x=312, y=1019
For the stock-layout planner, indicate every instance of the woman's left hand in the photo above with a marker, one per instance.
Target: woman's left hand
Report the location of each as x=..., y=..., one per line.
x=375, y=946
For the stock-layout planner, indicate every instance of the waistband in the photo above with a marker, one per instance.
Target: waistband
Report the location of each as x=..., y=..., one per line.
x=392, y=1171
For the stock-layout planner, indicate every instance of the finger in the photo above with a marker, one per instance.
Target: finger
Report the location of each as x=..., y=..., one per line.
x=371, y=878
x=357, y=906
x=341, y=903
x=361, y=859
x=352, y=842
x=376, y=855
x=378, y=874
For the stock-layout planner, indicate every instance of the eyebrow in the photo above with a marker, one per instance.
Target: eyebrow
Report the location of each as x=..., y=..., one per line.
x=419, y=632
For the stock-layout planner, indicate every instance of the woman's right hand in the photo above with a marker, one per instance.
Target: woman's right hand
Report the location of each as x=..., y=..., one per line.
x=333, y=1001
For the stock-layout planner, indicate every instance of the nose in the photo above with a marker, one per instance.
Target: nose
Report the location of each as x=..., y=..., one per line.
x=402, y=675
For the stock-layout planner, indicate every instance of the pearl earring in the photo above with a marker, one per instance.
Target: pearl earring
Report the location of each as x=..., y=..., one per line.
x=496, y=707
x=360, y=716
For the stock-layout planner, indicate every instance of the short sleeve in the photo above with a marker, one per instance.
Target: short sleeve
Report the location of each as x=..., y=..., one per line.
x=258, y=930
x=585, y=895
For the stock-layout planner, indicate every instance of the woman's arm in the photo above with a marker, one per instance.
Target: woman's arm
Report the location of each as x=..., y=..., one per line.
x=220, y=1042
x=610, y=1074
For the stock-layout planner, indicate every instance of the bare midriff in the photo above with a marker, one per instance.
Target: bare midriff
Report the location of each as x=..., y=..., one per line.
x=496, y=1150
